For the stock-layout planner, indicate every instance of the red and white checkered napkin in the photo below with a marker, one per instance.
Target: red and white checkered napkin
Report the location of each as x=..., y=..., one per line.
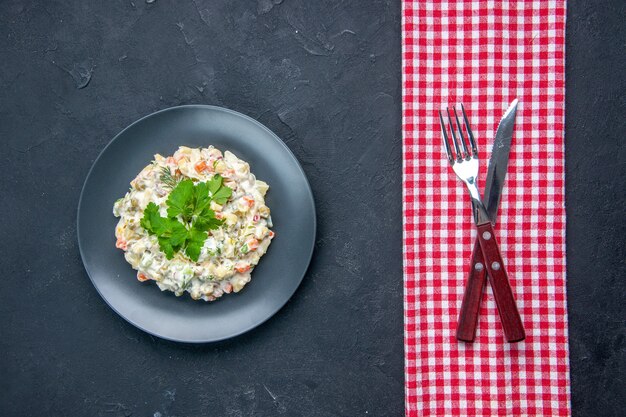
x=485, y=54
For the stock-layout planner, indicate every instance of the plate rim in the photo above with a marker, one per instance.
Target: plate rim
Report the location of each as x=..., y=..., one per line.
x=309, y=193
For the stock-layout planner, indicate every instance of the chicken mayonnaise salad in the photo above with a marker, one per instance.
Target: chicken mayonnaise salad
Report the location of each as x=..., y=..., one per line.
x=195, y=222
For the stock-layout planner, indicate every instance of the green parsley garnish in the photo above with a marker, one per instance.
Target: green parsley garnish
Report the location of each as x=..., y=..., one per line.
x=189, y=216
x=217, y=191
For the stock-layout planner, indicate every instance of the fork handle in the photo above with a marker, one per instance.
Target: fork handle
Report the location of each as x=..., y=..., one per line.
x=468, y=317
x=509, y=316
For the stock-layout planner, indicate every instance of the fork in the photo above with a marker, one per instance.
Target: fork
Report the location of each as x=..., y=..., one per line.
x=464, y=162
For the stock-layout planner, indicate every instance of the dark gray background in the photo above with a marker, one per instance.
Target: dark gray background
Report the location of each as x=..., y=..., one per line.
x=325, y=76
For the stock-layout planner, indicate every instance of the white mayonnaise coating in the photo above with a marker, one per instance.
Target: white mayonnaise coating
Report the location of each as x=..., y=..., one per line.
x=229, y=253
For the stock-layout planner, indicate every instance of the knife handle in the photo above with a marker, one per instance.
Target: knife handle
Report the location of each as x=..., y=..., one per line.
x=509, y=316
x=468, y=317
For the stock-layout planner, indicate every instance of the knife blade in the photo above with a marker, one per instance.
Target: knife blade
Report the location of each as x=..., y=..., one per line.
x=499, y=162
x=494, y=183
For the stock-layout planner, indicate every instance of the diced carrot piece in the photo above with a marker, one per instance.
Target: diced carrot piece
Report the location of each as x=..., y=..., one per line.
x=249, y=200
x=272, y=234
x=252, y=244
x=242, y=268
x=142, y=277
x=121, y=244
x=200, y=166
x=228, y=288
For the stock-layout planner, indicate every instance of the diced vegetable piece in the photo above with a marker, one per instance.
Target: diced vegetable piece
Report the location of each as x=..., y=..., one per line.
x=216, y=207
x=121, y=244
x=230, y=219
x=249, y=200
x=253, y=244
x=220, y=166
x=200, y=166
x=264, y=211
x=262, y=187
x=142, y=277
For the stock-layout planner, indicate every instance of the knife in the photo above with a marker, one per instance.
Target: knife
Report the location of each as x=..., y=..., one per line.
x=509, y=315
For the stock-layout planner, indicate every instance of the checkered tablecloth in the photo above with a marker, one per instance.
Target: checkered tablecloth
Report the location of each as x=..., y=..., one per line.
x=484, y=54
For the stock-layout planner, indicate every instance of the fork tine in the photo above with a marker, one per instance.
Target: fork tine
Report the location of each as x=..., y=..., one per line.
x=463, y=140
x=469, y=132
x=446, y=142
x=459, y=156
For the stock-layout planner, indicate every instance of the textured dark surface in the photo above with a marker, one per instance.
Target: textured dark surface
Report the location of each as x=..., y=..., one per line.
x=596, y=200
x=325, y=76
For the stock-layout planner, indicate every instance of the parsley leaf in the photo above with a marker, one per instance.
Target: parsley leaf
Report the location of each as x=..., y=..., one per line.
x=222, y=195
x=201, y=197
x=215, y=183
x=218, y=192
x=177, y=233
x=207, y=221
x=152, y=220
x=195, y=240
x=180, y=201
x=166, y=247
x=170, y=232
x=189, y=217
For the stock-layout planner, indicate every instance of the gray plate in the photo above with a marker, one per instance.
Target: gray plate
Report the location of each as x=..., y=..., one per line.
x=276, y=277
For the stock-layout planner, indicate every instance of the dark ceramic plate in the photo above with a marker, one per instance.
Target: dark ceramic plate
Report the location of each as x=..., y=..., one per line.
x=276, y=277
